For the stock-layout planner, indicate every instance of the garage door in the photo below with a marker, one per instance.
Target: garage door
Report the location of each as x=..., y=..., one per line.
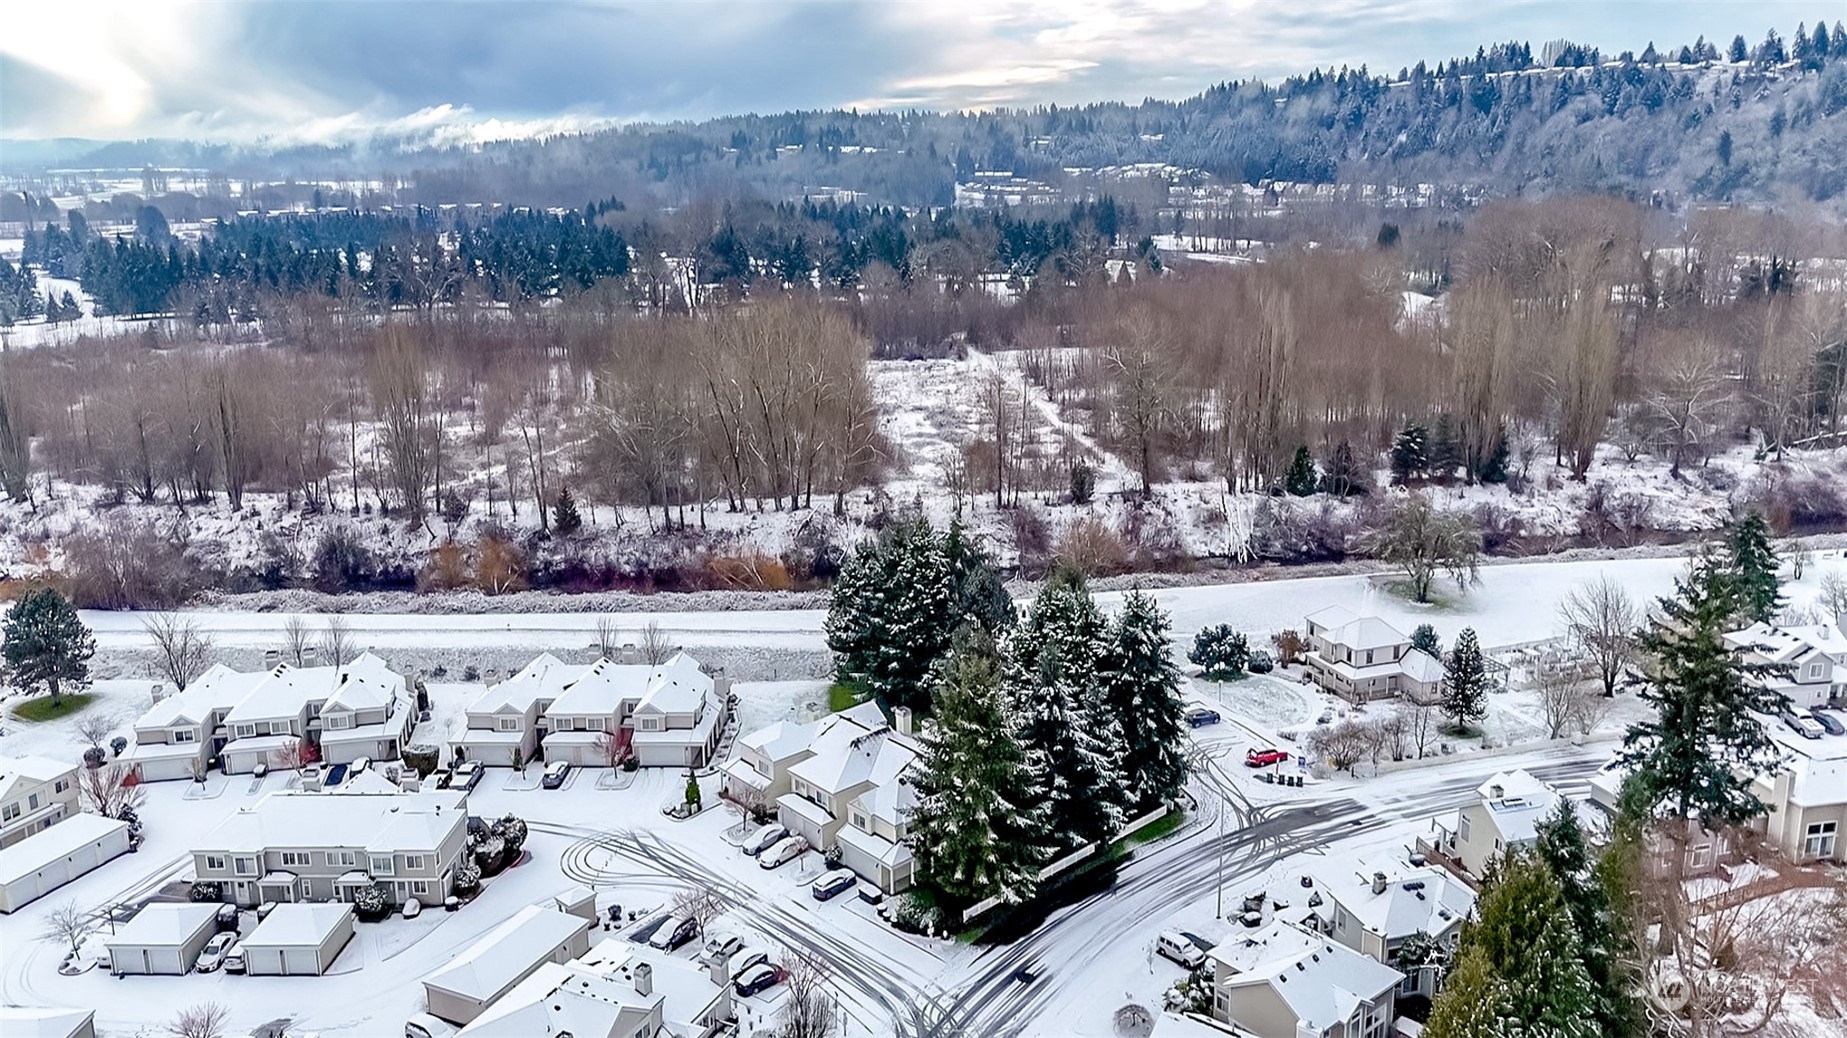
x=265, y=960
x=299, y=962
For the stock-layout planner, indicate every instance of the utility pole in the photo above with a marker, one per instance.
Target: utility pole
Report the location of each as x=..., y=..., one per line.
x=1224, y=808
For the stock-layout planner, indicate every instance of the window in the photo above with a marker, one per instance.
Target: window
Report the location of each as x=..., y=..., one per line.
x=184, y=735
x=60, y=785
x=1369, y=657
x=294, y=859
x=507, y=724
x=1820, y=840
x=307, y=890
x=244, y=866
x=32, y=801
x=413, y=862
x=1815, y=669
x=381, y=865
x=1462, y=829
x=650, y=724
x=244, y=730
x=347, y=859
x=859, y=820
x=1700, y=857
x=214, y=863
x=9, y=812
x=420, y=887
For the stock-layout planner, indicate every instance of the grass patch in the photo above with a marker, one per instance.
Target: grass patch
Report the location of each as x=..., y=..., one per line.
x=1444, y=594
x=1164, y=826
x=43, y=709
x=842, y=696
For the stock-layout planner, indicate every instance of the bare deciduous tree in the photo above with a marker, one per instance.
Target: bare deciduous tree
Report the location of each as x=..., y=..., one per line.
x=94, y=728
x=1422, y=723
x=608, y=637
x=205, y=1020
x=1559, y=693
x=1601, y=621
x=701, y=904
x=656, y=645
x=337, y=641
x=108, y=790
x=1833, y=597
x=808, y=1010
x=1424, y=540
x=297, y=639
x=182, y=651
x=67, y=925
x=1689, y=395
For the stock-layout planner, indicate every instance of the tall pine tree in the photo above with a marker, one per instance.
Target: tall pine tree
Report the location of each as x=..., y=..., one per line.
x=1073, y=740
x=1751, y=562
x=977, y=829
x=1144, y=693
x=1300, y=480
x=1520, y=966
x=1696, y=756
x=1465, y=681
x=1563, y=849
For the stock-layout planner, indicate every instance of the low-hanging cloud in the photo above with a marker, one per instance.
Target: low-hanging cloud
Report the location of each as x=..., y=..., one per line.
x=239, y=70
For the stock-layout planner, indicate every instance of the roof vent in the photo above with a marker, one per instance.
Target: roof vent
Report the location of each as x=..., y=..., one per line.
x=1496, y=791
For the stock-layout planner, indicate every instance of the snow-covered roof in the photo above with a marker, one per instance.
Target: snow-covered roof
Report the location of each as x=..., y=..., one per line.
x=1367, y=632
x=16, y=772
x=507, y=953
x=48, y=845
x=367, y=781
x=1783, y=645
x=1517, y=802
x=847, y=755
x=365, y=692
x=1321, y=982
x=874, y=846
x=602, y=689
x=779, y=741
x=596, y=995
x=1427, y=899
x=1420, y=666
x=1332, y=616
x=288, y=690
x=164, y=925
x=544, y=678
x=678, y=686
x=890, y=802
x=45, y=1021
x=299, y=924
x=375, y=821
x=219, y=688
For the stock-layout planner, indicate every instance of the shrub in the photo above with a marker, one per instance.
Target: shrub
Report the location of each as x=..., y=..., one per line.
x=500, y=567
x=128, y=564
x=371, y=904
x=1221, y=651
x=1083, y=483
x=341, y=562
x=467, y=879
x=446, y=570
x=1260, y=662
x=629, y=763
x=1091, y=548
x=913, y=912
x=512, y=831
x=423, y=758
x=753, y=572
x=1032, y=539
x=831, y=856
x=93, y=757
x=491, y=855
x=207, y=891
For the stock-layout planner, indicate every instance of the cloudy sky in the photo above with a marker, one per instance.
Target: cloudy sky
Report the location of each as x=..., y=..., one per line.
x=325, y=69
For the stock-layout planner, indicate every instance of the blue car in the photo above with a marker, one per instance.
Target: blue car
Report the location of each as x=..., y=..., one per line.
x=1199, y=716
x=833, y=884
x=756, y=978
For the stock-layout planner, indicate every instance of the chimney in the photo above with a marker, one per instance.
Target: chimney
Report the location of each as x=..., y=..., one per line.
x=720, y=970
x=901, y=719
x=644, y=979
x=1378, y=882
x=271, y=657
x=1496, y=791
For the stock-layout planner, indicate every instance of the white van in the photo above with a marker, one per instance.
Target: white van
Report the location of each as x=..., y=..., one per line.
x=425, y=1025
x=1177, y=948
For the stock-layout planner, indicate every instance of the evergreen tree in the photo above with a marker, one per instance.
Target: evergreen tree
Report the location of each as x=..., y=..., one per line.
x=1563, y=849
x=1300, y=480
x=1695, y=758
x=976, y=830
x=1222, y=651
x=1342, y=476
x=565, y=518
x=1465, y=681
x=46, y=645
x=1409, y=453
x=898, y=601
x=1143, y=687
x=1494, y=470
x=1520, y=965
x=1073, y=742
x=1739, y=49
x=1425, y=638
x=1444, y=450
x=29, y=303
x=1750, y=563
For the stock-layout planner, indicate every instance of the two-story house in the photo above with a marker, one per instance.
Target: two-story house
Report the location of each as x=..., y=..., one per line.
x=616, y=990
x=1505, y=815
x=509, y=716
x=1811, y=658
x=844, y=782
x=669, y=715
x=36, y=793
x=1362, y=657
x=1376, y=915
x=292, y=846
x=1283, y=981
x=249, y=718
x=1807, y=797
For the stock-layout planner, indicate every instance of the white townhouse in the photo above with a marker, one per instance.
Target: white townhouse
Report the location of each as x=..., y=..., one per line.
x=1376, y=915
x=671, y=715
x=1283, y=981
x=36, y=793
x=359, y=709
x=1505, y=815
x=616, y=990
x=292, y=846
x=845, y=782
x=1362, y=657
x=1807, y=797
x=1814, y=657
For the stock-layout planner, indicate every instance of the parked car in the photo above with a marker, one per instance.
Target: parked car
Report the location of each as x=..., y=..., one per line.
x=1804, y=725
x=259, y=769
x=721, y=946
x=1828, y=721
x=234, y=961
x=442, y=777
x=310, y=775
x=758, y=842
x=1264, y=758
x=755, y=979
x=467, y=775
x=425, y=1025
x=359, y=765
x=213, y=954
x=782, y=852
x=264, y=909
x=1200, y=716
x=1180, y=949
x=744, y=958
x=555, y=774
x=227, y=918
x=412, y=908
x=832, y=884
x=673, y=933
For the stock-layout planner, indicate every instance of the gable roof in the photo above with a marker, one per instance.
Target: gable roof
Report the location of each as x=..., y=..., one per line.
x=847, y=754
x=506, y=953
x=375, y=821
x=294, y=924
x=678, y=686
x=18, y=771
x=781, y=740
x=286, y=690
x=219, y=688
x=1427, y=899
x=1517, y=802
x=543, y=678
x=1322, y=983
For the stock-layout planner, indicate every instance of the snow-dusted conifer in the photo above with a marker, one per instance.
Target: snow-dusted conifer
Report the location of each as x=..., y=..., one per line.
x=1144, y=693
x=1465, y=681
x=977, y=829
